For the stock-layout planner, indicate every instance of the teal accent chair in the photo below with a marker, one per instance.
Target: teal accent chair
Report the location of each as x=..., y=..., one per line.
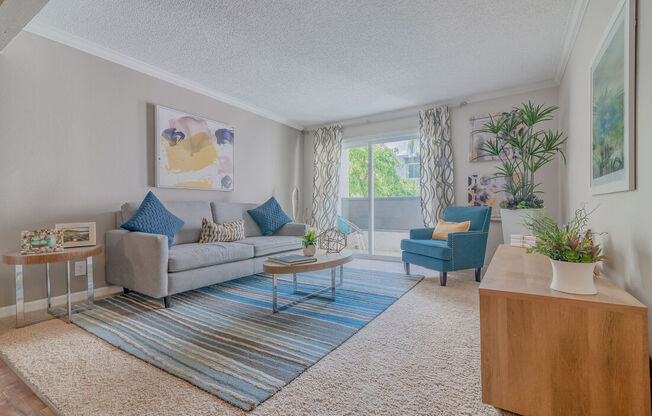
x=462, y=250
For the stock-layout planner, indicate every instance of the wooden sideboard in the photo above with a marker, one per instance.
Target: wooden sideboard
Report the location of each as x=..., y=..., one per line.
x=551, y=353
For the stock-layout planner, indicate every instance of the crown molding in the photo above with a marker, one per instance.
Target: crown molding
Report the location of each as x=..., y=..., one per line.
x=451, y=103
x=570, y=36
x=100, y=51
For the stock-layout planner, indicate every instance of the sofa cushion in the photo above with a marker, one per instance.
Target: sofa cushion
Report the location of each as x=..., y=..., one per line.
x=269, y=216
x=195, y=255
x=264, y=246
x=431, y=248
x=152, y=217
x=191, y=212
x=232, y=211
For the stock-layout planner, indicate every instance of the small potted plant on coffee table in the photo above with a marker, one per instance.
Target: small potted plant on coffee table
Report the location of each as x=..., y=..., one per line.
x=571, y=251
x=309, y=243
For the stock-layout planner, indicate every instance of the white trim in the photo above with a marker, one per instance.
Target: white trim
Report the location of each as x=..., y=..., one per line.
x=41, y=304
x=100, y=51
x=453, y=102
x=570, y=36
x=358, y=141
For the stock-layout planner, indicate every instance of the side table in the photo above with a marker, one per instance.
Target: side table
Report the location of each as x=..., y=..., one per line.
x=67, y=255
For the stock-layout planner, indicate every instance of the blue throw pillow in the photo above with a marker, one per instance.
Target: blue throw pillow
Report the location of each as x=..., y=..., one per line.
x=269, y=216
x=152, y=217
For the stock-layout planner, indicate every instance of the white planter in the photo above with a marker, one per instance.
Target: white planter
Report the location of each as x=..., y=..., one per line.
x=512, y=221
x=576, y=278
x=310, y=250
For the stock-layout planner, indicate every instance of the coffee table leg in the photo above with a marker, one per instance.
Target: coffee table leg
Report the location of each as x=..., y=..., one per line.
x=341, y=275
x=68, y=290
x=333, y=273
x=47, y=285
x=89, y=276
x=20, y=312
x=294, y=281
x=274, y=305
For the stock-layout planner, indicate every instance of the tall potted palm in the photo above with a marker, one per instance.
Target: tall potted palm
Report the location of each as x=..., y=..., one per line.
x=522, y=148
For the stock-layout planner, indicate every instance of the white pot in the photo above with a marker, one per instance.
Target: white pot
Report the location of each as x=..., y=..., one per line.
x=512, y=221
x=574, y=278
x=309, y=251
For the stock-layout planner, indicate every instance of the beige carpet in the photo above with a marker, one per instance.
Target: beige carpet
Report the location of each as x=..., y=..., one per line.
x=421, y=356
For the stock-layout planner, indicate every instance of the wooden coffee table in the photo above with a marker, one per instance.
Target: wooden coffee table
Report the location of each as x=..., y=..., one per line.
x=324, y=261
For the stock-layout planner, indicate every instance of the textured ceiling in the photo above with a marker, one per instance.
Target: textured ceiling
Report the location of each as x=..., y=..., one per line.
x=310, y=62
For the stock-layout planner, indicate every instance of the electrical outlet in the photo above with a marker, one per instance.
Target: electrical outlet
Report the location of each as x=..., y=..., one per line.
x=80, y=268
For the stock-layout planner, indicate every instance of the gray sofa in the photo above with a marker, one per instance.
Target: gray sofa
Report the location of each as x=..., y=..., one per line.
x=143, y=263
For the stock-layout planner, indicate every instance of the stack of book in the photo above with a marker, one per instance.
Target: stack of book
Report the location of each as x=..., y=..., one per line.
x=527, y=241
x=292, y=259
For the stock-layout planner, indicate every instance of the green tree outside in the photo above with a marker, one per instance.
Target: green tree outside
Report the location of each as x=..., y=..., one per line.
x=387, y=181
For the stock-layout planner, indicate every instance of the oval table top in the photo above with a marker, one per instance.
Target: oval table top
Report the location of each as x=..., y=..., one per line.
x=324, y=261
x=73, y=253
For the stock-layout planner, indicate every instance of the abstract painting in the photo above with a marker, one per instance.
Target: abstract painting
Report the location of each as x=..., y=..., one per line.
x=192, y=152
x=487, y=191
x=612, y=106
x=477, y=139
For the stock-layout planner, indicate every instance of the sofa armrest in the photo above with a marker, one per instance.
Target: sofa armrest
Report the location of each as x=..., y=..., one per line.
x=421, y=233
x=137, y=261
x=295, y=229
x=468, y=249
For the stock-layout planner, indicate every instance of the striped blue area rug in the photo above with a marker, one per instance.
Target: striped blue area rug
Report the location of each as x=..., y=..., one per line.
x=226, y=340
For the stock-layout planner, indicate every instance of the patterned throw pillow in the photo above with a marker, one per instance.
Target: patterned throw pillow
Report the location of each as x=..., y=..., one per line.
x=269, y=216
x=152, y=217
x=229, y=231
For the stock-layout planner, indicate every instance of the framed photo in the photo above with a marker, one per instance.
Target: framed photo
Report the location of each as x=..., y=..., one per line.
x=77, y=234
x=193, y=152
x=477, y=140
x=41, y=241
x=487, y=191
x=612, y=87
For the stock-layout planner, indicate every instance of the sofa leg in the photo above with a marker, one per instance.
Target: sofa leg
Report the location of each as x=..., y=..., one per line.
x=478, y=272
x=406, y=266
x=125, y=290
x=442, y=278
x=166, y=301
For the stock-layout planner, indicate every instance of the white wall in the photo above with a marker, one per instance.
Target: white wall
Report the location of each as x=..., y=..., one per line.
x=624, y=215
x=460, y=132
x=77, y=140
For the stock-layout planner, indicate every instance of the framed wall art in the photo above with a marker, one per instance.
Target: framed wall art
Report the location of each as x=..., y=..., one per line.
x=478, y=139
x=487, y=191
x=612, y=87
x=193, y=152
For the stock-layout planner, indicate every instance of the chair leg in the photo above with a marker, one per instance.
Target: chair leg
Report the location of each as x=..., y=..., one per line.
x=406, y=266
x=478, y=272
x=166, y=301
x=442, y=278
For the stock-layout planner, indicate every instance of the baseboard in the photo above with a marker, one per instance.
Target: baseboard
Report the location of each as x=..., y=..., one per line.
x=41, y=304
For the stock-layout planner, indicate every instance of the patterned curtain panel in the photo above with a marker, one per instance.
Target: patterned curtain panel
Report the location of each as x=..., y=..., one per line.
x=436, y=164
x=325, y=182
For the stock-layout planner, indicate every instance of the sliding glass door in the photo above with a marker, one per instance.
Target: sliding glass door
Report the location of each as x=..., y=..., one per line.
x=379, y=193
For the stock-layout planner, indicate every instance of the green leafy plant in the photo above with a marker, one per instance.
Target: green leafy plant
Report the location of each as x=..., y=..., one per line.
x=387, y=180
x=309, y=239
x=572, y=243
x=522, y=149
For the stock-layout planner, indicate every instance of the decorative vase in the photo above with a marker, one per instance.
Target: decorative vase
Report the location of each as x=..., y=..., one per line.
x=309, y=251
x=512, y=221
x=576, y=278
